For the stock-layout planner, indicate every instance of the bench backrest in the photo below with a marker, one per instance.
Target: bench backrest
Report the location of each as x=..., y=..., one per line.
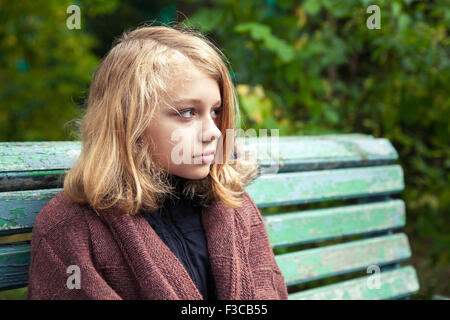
x=350, y=177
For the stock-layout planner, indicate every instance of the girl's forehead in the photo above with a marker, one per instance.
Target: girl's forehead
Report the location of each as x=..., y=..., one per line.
x=189, y=72
x=185, y=78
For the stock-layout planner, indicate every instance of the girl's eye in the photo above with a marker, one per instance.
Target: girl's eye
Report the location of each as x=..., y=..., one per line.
x=185, y=111
x=218, y=111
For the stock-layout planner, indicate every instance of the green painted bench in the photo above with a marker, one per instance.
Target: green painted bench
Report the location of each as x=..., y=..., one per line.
x=326, y=201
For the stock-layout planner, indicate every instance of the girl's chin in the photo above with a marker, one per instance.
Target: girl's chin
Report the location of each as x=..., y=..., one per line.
x=194, y=172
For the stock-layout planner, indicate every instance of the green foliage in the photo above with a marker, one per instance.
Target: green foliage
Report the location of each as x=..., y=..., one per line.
x=14, y=294
x=46, y=67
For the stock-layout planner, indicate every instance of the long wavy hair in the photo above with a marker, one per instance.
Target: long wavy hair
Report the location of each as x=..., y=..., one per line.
x=115, y=166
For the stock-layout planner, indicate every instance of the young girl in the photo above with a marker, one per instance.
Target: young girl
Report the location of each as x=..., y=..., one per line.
x=136, y=221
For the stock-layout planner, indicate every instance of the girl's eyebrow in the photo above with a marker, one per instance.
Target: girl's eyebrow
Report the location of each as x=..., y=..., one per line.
x=196, y=101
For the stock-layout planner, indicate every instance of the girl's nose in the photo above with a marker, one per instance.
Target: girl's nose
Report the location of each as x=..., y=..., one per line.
x=210, y=132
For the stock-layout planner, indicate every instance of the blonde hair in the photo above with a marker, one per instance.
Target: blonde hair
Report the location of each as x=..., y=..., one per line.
x=126, y=89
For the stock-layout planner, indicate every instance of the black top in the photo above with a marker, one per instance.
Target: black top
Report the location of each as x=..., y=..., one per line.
x=178, y=224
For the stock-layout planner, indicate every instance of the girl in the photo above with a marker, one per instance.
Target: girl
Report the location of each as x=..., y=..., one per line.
x=136, y=221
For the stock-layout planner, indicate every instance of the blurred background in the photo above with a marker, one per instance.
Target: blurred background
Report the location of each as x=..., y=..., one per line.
x=303, y=67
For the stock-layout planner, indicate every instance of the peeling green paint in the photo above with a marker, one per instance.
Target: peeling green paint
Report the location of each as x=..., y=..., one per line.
x=319, y=224
x=317, y=263
x=325, y=185
x=394, y=284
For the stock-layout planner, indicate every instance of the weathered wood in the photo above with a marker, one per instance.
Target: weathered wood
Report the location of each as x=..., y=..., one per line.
x=317, y=225
x=31, y=180
x=340, y=136
x=33, y=156
x=18, y=209
x=36, y=165
x=287, y=154
x=394, y=284
x=52, y=155
x=324, y=185
x=318, y=263
x=14, y=263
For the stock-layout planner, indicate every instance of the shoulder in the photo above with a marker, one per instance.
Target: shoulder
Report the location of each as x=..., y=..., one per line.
x=250, y=211
x=59, y=213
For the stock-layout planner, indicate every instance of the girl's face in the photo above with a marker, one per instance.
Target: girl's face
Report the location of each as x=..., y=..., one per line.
x=190, y=127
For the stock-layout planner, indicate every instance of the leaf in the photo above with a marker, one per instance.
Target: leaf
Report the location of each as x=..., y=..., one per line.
x=263, y=33
x=206, y=19
x=396, y=8
x=404, y=21
x=312, y=7
x=257, y=31
x=255, y=103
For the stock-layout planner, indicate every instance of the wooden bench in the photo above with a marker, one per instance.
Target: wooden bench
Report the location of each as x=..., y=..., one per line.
x=342, y=183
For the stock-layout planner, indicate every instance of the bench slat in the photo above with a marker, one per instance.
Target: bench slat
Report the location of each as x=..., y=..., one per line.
x=18, y=209
x=338, y=136
x=14, y=263
x=324, y=185
x=31, y=180
x=316, y=225
x=42, y=155
x=394, y=284
x=295, y=154
x=317, y=263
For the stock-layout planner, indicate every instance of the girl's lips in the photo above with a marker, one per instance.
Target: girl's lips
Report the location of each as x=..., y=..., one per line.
x=207, y=153
x=207, y=158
